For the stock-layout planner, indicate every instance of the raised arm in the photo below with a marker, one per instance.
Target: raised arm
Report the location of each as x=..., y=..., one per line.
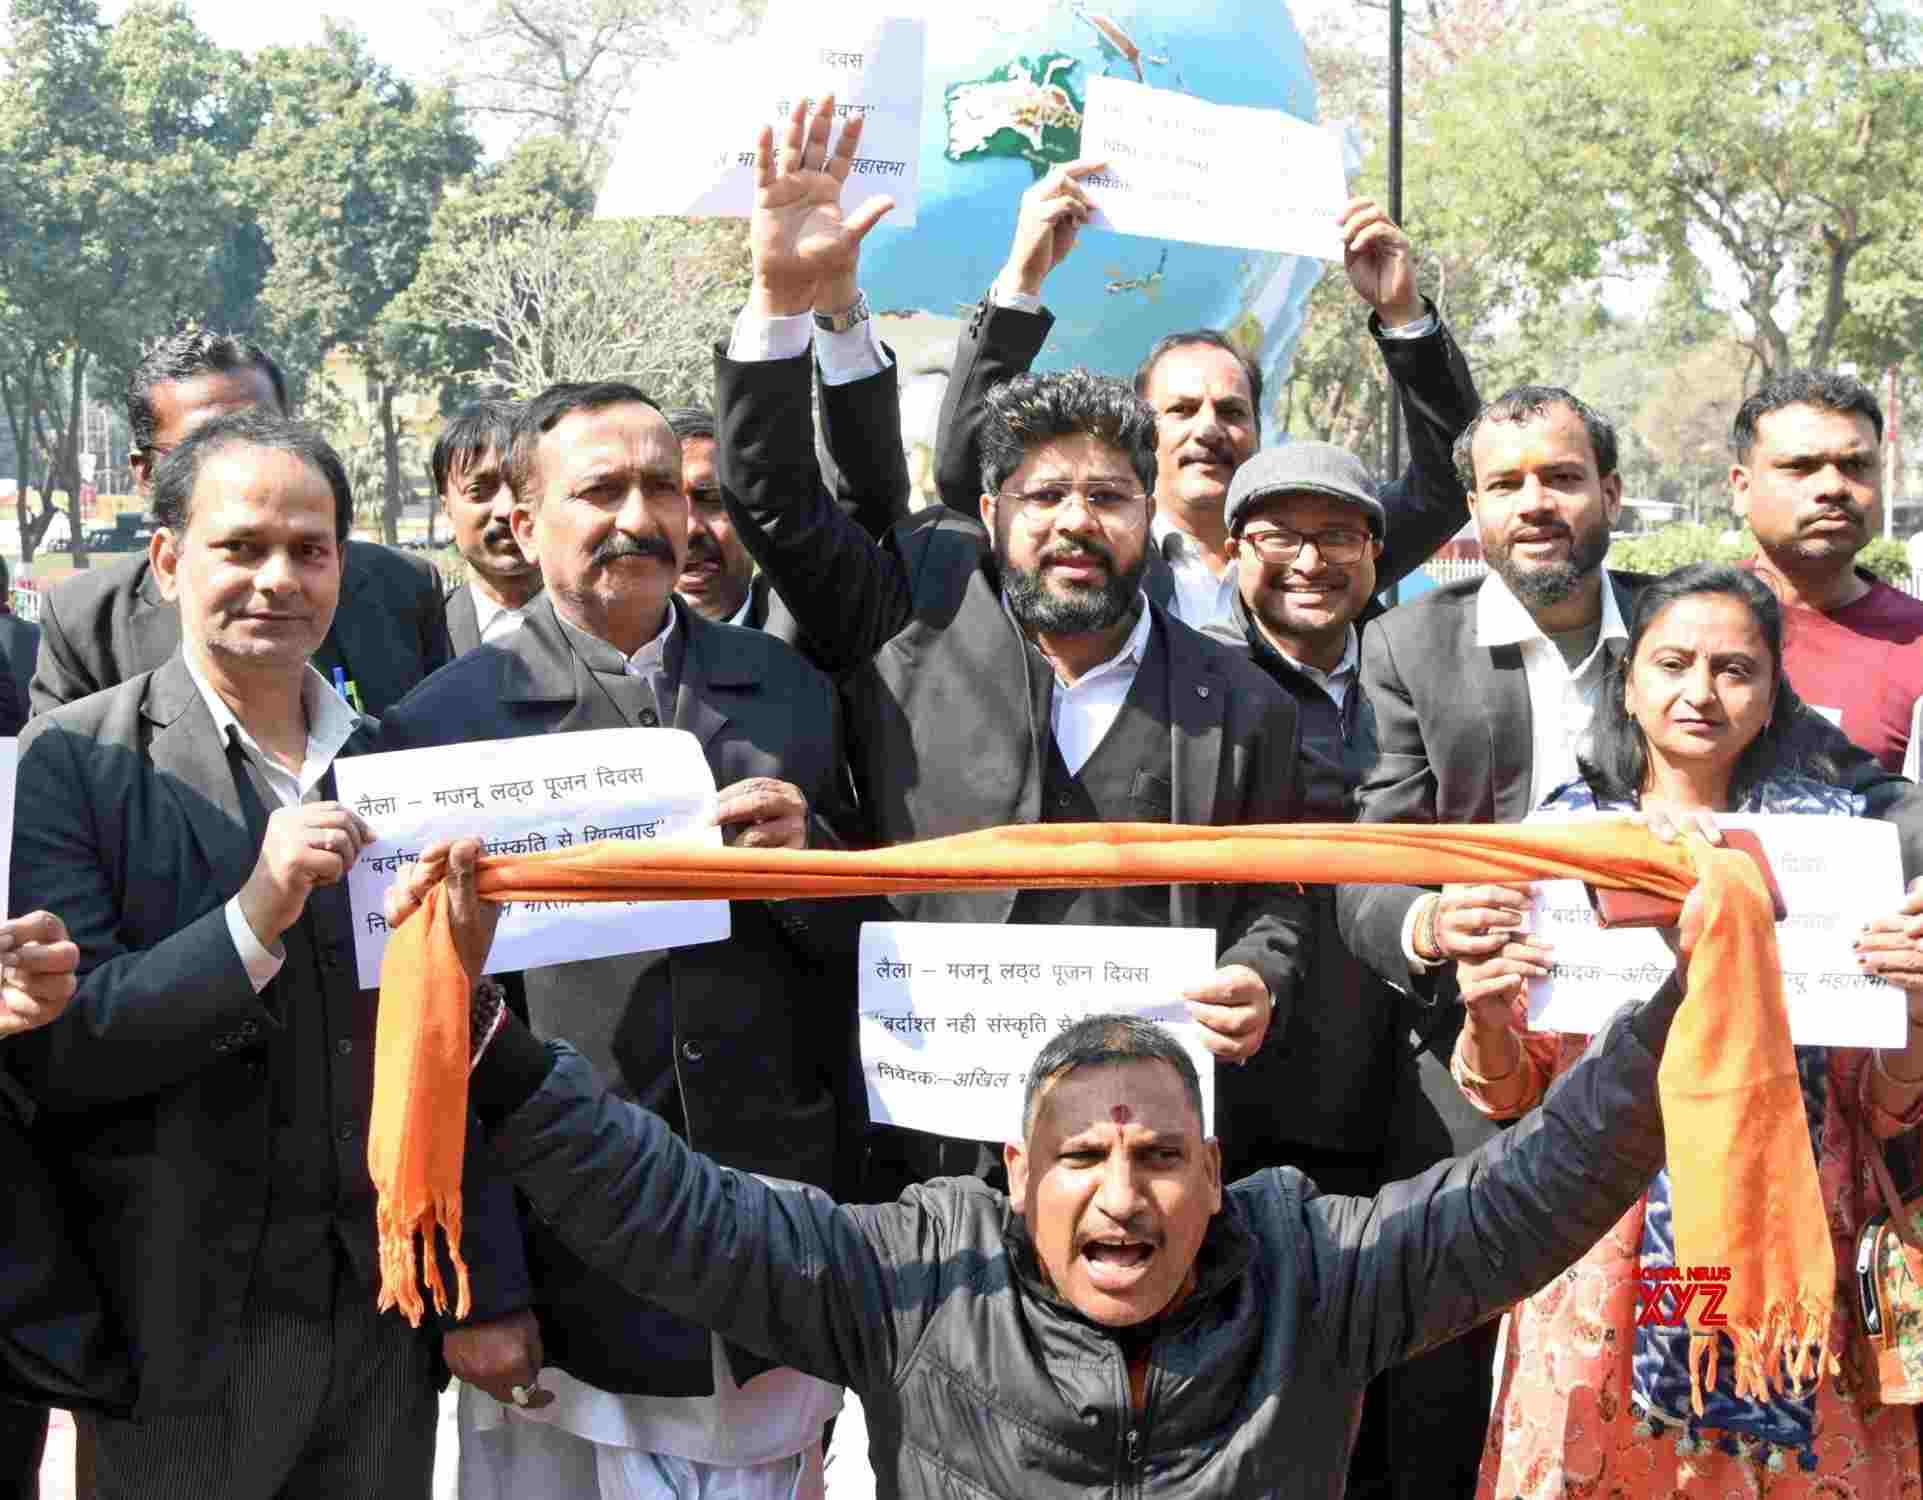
x=847, y=592
x=841, y=1293
x=1008, y=328
x=1427, y=1259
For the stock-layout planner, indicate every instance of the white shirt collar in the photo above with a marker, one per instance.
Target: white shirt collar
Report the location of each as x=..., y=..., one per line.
x=647, y=659
x=487, y=609
x=331, y=722
x=1132, y=652
x=1351, y=660
x=1501, y=619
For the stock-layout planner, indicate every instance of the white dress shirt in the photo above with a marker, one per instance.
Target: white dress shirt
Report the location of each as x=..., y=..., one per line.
x=1562, y=703
x=843, y=357
x=1081, y=713
x=331, y=722
x=496, y=621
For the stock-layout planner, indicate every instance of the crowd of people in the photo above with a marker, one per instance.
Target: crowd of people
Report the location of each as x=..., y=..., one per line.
x=1124, y=608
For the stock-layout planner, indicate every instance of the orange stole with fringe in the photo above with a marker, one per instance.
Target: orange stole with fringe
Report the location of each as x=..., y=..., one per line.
x=1745, y=1189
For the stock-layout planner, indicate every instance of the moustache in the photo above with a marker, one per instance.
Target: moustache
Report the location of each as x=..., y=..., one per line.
x=701, y=550
x=1838, y=511
x=619, y=546
x=1079, y=552
x=499, y=539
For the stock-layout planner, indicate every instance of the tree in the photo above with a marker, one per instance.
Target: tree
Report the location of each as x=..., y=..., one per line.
x=347, y=169
x=638, y=300
x=1767, y=137
x=564, y=67
x=116, y=209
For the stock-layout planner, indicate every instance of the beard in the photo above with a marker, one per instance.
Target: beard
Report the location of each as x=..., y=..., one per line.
x=1066, y=609
x=1541, y=585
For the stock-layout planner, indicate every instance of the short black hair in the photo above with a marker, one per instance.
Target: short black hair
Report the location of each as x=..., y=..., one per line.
x=540, y=416
x=187, y=355
x=691, y=422
x=1616, y=762
x=1524, y=403
x=469, y=434
x=1215, y=339
x=1034, y=409
x=179, y=472
x=1104, y=1041
x=1827, y=390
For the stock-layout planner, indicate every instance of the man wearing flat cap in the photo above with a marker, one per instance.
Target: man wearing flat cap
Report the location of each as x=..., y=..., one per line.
x=1309, y=538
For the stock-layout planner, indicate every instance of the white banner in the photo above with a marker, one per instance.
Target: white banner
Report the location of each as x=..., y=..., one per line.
x=528, y=796
x=1180, y=168
x=1835, y=874
x=953, y=1014
x=690, y=142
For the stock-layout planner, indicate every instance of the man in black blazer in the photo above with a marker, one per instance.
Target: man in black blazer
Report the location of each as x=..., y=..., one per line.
x=746, y=1045
x=468, y=469
x=972, y=652
x=1208, y=394
x=1481, y=694
x=107, y=624
x=19, y=643
x=207, y=1095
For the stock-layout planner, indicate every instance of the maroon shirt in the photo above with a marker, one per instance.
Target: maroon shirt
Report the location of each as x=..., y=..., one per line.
x=1865, y=661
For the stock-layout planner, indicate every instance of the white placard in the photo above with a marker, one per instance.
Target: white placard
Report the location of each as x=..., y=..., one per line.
x=528, y=796
x=689, y=147
x=953, y=1014
x=1180, y=168
x=1835, y=874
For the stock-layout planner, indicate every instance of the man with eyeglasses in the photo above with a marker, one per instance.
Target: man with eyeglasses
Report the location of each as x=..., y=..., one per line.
x=1008, y=669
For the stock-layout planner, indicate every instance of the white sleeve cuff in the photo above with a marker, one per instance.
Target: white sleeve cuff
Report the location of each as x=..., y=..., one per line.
x=847, y=357
x=1420, y=329
x=261, y=964
x=756, y=339
x=1027, y=302
x=1417, y=963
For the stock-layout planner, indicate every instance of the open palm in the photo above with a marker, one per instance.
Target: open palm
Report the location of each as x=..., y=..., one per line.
x=799, y=233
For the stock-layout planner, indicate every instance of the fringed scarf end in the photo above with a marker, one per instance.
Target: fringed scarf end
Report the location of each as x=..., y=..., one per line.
x=1787, y=1355
x=408, y=1260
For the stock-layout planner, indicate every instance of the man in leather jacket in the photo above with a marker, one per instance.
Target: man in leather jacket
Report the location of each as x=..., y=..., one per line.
x=1121, y=1323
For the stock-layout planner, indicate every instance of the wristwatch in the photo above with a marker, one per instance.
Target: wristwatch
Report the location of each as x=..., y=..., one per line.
x=847, y=318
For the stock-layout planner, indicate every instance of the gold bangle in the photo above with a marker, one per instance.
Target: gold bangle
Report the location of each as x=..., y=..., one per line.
x=1483, y=1080
x=1428, y=945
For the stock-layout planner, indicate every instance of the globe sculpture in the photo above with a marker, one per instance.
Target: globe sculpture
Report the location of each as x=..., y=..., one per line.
x=1002, y=104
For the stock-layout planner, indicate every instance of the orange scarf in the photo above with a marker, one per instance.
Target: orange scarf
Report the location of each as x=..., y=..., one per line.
x=1745, y=1193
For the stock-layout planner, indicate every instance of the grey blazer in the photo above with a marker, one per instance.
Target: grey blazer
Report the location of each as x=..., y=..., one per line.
x=105, y=625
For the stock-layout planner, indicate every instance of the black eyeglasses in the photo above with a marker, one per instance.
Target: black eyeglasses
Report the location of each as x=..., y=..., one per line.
x=1281, y=545
x=1104, y=502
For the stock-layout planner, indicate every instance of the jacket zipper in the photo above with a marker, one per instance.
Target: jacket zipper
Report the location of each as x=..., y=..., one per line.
x=1135, y=1436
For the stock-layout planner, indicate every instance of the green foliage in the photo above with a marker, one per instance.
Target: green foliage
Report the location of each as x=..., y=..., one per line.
x=1672, y=547
x=1888, y=559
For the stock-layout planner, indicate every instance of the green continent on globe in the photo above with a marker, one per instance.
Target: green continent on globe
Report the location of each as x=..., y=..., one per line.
x=1026, y=110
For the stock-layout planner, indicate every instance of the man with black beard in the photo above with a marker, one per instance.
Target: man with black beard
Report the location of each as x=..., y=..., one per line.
x=1010, y=671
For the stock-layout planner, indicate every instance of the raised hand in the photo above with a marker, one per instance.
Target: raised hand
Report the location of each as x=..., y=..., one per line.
x=1053, y=213
x=1381, y=263
x=798, y=234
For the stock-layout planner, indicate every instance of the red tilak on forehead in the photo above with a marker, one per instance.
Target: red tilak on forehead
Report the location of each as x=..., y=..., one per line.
x=1120, y=1114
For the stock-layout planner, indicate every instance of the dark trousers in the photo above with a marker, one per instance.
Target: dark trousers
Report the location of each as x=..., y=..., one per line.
x=315, y=1406
x=23, y=1443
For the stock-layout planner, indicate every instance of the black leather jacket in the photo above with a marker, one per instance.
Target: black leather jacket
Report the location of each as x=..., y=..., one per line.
x=978, y=1381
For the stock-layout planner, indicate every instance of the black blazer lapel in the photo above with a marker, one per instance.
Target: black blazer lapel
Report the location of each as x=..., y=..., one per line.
x=463, y=624
x=1511, y=727
x=357, y=636
x=186, y=750
x=1197, y=704
x=539, y=669
x=711, y=671
x=1159, y=582
x=152, y=629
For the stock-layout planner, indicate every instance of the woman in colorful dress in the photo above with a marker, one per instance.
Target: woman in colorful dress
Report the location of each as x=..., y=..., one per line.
x=1695, y=717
